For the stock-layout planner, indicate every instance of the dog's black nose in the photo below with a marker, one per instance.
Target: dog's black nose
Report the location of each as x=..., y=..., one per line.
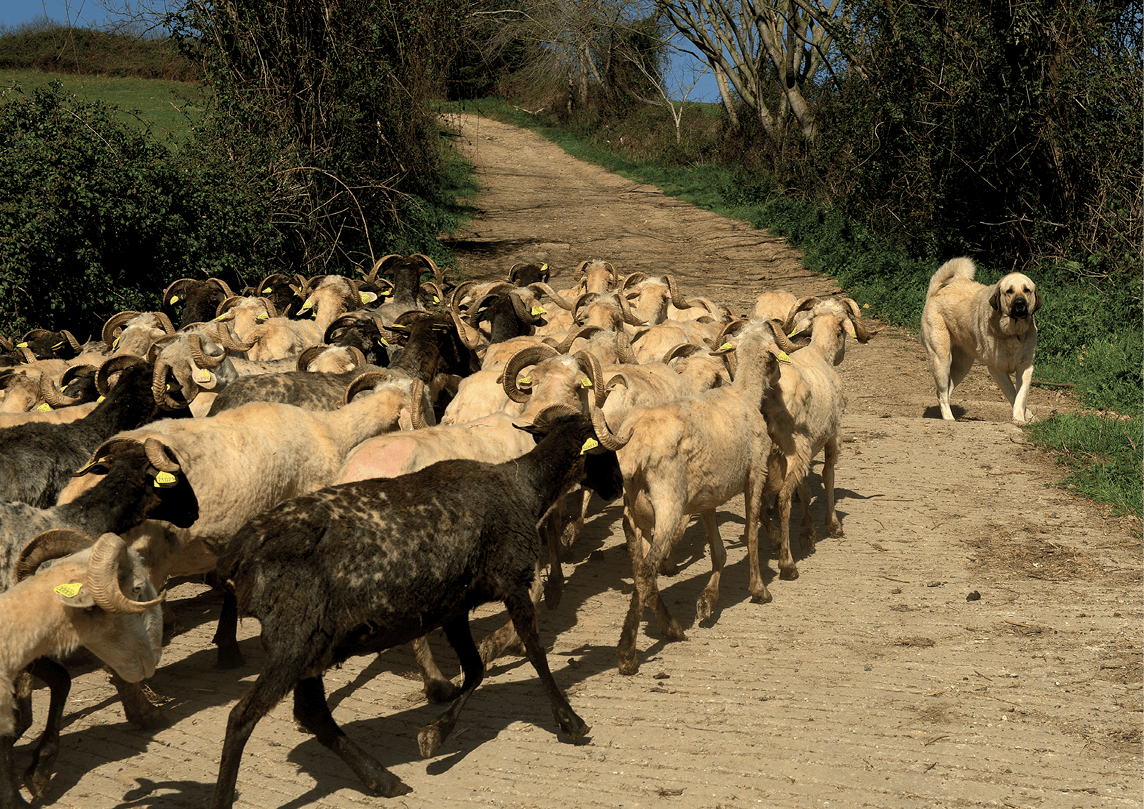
x=1020, y=307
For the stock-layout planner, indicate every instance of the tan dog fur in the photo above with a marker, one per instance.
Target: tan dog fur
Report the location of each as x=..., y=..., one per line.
x=965, y=321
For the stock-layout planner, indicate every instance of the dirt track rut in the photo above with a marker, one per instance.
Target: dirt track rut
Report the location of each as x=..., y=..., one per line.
x=871, y=681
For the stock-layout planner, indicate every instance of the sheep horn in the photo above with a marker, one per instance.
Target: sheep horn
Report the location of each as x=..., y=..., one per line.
x=539, y=287
x=357, y=356
x=53, y=395
x=228, y=304
x=681, y=350
x=634, y=278
x=270, y=310
x=860, y=331
x=113, y=366
x=159, y=386
x=308, y=356
x=677, y=300
x=228, y=340
x=522, y=311
x=604, y=434
x=626, y=309
x=475, y=306
x=433, y=288
x=164, y=322
x=470, y=336
x=784, y=342
x=364, y=382
x=27, y=354
x=615, y=275
x=459, y=292
x=591, y=366
x=580, y=268
x=74, y=343
x=33, y=334
x=581, y=332
x=377, y=265
x=52, y=544
x=74, y=372
x=103, y=578
x=734, y=327
x=200, y=357
x=802, y=305
x=223, y=286
x=513, y=271
x=156, y=452
x=529, y=355
x=178, y=287
x=624, y=352
x=416, y=413
x=114, y=322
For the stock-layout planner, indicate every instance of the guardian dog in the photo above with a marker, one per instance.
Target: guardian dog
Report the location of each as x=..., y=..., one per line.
x=965, y=321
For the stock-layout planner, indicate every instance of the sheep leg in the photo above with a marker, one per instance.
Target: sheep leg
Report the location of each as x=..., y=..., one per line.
x=755, y=510
x=460, y=636
x=833, y=524
x=554, y=585
x=313, y=713
x=10, y=796
x=56, y=677
x=523, y=613
x=438, y=688
x=226, y=634
x=787, y=569
x=136, y=707
x=808, y=534
x=646, y=592
x=705, y=604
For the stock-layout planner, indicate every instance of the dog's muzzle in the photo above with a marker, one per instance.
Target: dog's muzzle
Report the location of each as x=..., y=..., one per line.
x=1019, y=308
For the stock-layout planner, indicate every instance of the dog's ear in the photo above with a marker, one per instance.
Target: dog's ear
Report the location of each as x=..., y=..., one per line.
x=1036, y=301
x=995, y=298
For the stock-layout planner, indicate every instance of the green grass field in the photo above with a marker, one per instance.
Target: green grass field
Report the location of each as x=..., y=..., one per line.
x=168, y=108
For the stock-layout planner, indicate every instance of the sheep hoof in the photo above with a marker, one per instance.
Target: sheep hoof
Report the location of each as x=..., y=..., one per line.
x=553, y=590
x=573, y=726
x=429, y=740
x=629, y=666
x=836, y=529
x=704, y=608
x=667, y=567
x=788, y=573
x=761, y=598
x=387, y=785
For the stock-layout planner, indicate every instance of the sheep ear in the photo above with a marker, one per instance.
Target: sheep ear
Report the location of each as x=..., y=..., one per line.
x=74, y=594
x=848, y=324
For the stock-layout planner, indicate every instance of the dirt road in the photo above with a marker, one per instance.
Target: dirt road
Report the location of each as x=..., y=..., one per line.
x=872, y=680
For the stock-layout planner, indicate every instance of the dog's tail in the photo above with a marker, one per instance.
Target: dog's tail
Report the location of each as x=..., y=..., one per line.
x=953, y=270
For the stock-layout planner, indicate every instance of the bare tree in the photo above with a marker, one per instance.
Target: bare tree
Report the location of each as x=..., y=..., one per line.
x=756, y=45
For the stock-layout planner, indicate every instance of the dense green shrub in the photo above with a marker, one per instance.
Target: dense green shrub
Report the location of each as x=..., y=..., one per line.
x=97, y=218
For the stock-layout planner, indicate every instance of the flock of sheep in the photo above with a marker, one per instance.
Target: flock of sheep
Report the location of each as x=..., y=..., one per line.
x=358, y=462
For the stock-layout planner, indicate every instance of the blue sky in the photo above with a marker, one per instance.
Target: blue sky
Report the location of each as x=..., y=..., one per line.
x=92, y=12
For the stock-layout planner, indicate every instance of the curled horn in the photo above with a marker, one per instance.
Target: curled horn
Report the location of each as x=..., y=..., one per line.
x=514, y=271
x=433, y=288
x=626, y=310
x=228, y=341
x=74, y=372
x=522, y=311
x=159, y=386
x=103, y=578
x=580, y=268
x=495, y=289
x=416, y=413
x=734, y=327
x=53, y=395
x=582, y=332
x=377, y=265
x=539, y=287
x=113, y=366
x=270, y=310
x=781, y=338
x=156, y=452
x=349, y=319
x=632, y=279
x=308, y=356
x=365, y=382
x=459, y=292
x=53, y=544
x=438, y=276
x=612, y=271
x=34, y=334
x=802, y=305
x=590, y=365
x=178, y=287
x=27, y=354
x=228, y=304
x=164, y=322
x=677, y=300
x=114, y=322
x=200, y=357
x=861, y=332
x=74, y=343
x=604, y=434
x=222, y=285
x=470, y=336
x=6, y=344
x=681, y=350
x=624, y=352
x=529, y=355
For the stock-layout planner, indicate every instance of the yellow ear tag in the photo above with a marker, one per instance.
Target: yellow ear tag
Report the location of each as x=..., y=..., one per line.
x=383, y=341
x=585, y=382
x=726, y=347
x=591, y=443
x=268, y=290
x=307, y=305
x=21, y=345
x=45, y=408
x=203, y=375
x=387, y=293
x=115, y=343
x=436, y=299
x=849, y=326
x=69, y=590
x=165, y=479
x=221, y=317
x=784, y=357
x=262, y=316
x=793, y=333
x=174, y=299
x=57, y=345
x=64, y=388
x=365, y=297
x=543, y=267
x=100, y=399
x=524, y=380
x=539, y=310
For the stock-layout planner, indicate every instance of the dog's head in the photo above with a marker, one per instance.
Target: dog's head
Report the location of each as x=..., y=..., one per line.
x=1015, y=296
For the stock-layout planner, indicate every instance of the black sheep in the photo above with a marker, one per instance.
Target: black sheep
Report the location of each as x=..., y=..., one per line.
x=357, y=568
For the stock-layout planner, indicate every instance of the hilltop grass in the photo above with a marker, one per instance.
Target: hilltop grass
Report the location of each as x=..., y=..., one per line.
x=167, y=108
x=1103, y=365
